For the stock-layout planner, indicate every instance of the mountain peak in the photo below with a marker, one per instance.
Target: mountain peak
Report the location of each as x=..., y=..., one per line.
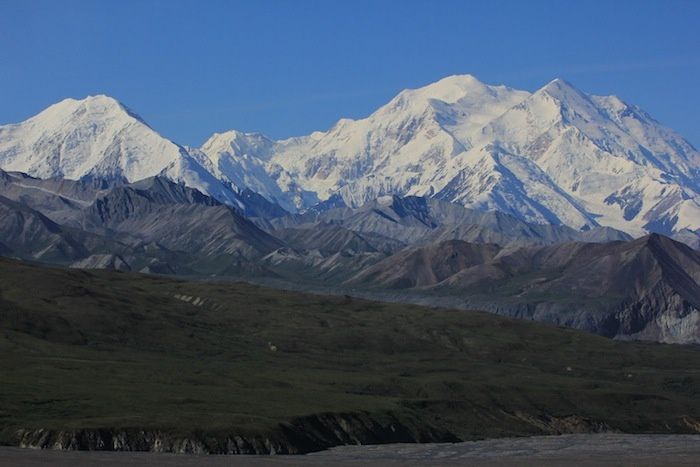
x=465, y=93
x=558, y=155
x=96, y=136
x=102, y=99
x=236, y=134
x=238, y=142
x=561, y=89
x=464, y=80
x=98, y=107
x=98, y=100
x=450, y=89
x=657, y=240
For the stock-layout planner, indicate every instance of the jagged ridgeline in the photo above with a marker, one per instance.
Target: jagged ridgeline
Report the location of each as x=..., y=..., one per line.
x=398, y=249
x=123, y=361
x=556, y=156
x=554, y=205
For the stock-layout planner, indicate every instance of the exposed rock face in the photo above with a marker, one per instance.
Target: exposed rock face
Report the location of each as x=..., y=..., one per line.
x=433, y=374
x=302, y=435
x=184, y=220
x=106, y=261
x=425, y=266
x=645, y=289
x=154, y=225
x=414, y=219
x=29, y=234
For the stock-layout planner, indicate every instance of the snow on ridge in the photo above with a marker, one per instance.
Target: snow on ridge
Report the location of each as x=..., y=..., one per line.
x=557, y=155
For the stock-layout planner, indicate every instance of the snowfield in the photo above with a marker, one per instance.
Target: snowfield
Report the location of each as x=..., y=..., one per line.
x=555, y=156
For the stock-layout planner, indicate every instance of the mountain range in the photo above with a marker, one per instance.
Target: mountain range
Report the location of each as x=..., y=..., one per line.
x=554, y=205
x=555, y=156
x=410, y=249
x=646, y=288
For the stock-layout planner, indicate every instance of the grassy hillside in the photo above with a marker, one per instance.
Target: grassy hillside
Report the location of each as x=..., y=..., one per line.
x=204, y=360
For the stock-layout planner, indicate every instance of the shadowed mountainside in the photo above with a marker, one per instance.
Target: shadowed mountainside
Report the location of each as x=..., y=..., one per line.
x=406, y=246
x=647, y=288
x=155, y=225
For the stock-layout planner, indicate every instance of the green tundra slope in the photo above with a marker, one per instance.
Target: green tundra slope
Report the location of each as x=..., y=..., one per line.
x=109, y=360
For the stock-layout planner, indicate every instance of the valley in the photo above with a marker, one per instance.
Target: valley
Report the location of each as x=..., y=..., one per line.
x=411, y=249
x=117, y=360
x=377, y=233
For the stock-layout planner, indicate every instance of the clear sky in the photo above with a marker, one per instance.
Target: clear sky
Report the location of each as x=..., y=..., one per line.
x=289, y=67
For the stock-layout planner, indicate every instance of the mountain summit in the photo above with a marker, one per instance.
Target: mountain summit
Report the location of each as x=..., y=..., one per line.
x=93, y=136
x=100, y=137
x=556, y=156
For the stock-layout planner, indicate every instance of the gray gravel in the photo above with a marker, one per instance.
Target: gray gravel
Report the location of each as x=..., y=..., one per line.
x=586, y=450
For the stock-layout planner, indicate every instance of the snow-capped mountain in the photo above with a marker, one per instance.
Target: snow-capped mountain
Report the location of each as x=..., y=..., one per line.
x=555, y=156
x=607, y=162
x=242, y=160
x=99, y=137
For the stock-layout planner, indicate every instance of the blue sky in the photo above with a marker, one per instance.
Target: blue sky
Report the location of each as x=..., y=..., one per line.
x=289, y=67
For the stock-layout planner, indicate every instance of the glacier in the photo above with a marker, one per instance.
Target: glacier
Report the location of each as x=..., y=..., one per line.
x=557, y=156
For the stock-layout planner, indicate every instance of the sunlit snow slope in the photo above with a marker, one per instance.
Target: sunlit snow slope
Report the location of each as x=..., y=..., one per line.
x=555, y=156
